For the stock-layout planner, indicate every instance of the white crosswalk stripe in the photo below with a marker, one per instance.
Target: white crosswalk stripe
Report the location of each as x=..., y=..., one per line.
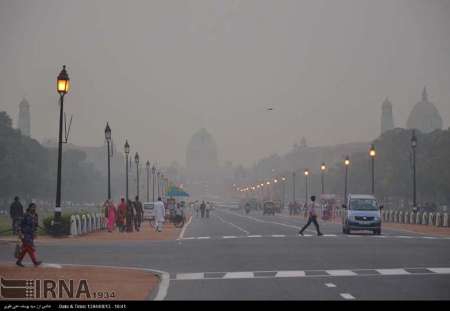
x=310, y=273
x=392, y=271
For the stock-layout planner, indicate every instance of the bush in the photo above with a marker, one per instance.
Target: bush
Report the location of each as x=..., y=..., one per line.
x=63, y=228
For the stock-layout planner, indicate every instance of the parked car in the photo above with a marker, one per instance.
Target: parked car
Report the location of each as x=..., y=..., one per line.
x=269, y=208
x=149, y=210
x=361, y=213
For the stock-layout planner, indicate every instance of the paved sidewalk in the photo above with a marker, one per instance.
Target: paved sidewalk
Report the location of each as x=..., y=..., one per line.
x=147, y=233
x=103, y=283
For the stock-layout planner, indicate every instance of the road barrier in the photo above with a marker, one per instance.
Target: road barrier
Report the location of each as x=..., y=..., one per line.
x=406, y=219
x=430, y=219
x=412, y=218
x=438, y=222
x=400, y=217
x=73, y=226
x=88, y=223
x=78, y=219
x=424, y=218
x=445, y=220
x=418, y=218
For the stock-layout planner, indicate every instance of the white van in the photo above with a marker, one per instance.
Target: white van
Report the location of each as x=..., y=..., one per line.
x=149, y=210
x=362, y=212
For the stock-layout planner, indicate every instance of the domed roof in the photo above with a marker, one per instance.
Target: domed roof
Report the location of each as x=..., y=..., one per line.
x=24, y=103
x=201, y=151
x=424, y=116
x=387, y=104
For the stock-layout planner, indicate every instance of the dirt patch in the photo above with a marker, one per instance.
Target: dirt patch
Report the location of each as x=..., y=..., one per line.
x=103, y=283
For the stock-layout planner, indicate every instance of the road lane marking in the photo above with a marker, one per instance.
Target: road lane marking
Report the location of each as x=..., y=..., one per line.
x=278, y=235
x=392, y=271
x=190, y=276
x=340, y=272
x=330, y=285
x=52, y=265
x=290, y=274
x=310, y=274
x=239, y=275
x=440, y=270
x=254, y=236
x=329, y=235
x=203, y=237
x=184, y=229
x=231, y=224
x=230, y=237
x=347, y=296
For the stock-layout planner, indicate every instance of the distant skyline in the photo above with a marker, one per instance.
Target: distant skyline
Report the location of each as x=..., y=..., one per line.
x=159, y=71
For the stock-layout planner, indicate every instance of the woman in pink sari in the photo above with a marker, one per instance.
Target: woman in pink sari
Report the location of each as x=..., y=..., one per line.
x=111, y=215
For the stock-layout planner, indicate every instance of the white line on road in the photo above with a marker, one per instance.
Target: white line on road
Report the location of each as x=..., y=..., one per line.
x=231, y=224
x=440, y=270
x=239, y=275
x=203, y=237
x=347, y=296
x=254, y=236
x=190, y=276
x=184, y=229
x=330, y=285
x=230, y=237
x=278, y=235
x=392, y=271
x=289, y=274
x=340, y=272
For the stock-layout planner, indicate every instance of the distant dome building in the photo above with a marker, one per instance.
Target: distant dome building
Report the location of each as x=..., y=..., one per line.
x=24, y=118
x=424, y=116
x=387, y=118
x=201, y=155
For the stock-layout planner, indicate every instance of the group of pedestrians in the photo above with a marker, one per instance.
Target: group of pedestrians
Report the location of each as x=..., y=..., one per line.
x=127, y=217
x=25, y=226
x=204, y=209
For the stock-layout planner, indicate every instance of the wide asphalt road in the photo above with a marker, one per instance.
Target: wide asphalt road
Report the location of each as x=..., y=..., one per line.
x=239, y=257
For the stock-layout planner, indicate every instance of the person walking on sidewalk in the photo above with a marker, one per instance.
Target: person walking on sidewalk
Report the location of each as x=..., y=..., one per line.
x=138, y=214
x=16, y=213
x=130, y=216
x=160, y=213
x=122, y=213
x=28, y=228
x=110, y=214
x=312, y=218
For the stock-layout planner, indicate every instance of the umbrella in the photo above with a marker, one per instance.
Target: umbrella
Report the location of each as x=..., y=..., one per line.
x=176, y=192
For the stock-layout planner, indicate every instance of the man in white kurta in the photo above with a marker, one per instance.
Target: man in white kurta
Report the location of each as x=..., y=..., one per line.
x=160, y=213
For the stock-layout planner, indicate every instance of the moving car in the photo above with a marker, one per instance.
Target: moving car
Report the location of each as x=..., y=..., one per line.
x=269, y=208
x=361, y=213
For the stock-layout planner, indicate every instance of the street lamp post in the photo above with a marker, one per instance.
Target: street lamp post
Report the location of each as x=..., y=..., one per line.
x=306, y=185
x=62, y=86
x=158, y=181
x=136, y=160
x=413, y=146
x=293, y=187
x=148, y=180
x=127, y=152
x=372, y=154
x=108, y=141
x=323, y=167
x=153, y=182
x=346, y=163
x=283, y=179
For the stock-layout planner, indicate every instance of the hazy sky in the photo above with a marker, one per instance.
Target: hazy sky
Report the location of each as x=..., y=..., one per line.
x=161, y=70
